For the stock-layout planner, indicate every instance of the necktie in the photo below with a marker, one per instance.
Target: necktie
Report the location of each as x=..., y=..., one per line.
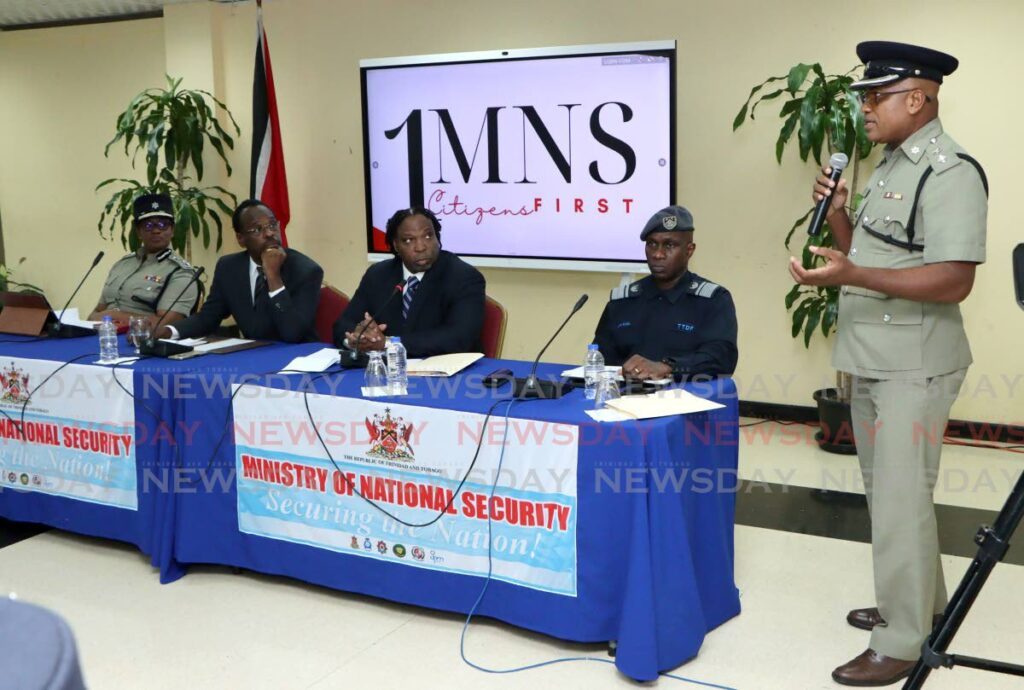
x=262, y=292
x=410, y=290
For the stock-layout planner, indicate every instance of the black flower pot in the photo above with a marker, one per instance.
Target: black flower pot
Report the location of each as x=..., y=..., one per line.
x=836, y=434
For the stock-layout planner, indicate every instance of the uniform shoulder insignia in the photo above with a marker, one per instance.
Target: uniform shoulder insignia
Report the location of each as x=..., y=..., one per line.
x=942, y=155
x=702, y=288
x=625, y=291
x=129, y=255
x=179, y=261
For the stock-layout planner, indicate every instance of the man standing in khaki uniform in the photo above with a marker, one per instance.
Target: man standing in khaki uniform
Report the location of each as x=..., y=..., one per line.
x=905, y=263
x=149, y=281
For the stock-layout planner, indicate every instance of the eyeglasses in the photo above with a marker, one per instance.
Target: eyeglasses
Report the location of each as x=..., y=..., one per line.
x=873, y=98
x=156, y=225
x=273, y=226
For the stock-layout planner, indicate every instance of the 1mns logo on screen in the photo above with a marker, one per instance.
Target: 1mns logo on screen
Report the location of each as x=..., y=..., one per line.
x=412, y=128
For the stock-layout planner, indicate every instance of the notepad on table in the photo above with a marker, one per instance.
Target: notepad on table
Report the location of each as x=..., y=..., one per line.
x=442, y=365
x=667, y=403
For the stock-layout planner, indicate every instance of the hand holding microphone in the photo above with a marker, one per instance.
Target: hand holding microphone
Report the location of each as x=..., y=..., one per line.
x=829, y=192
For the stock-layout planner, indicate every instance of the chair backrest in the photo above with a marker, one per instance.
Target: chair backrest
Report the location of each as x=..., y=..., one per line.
x=332, y=303
x=492, y=335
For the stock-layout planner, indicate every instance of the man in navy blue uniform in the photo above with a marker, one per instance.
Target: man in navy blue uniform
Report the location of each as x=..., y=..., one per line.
x=673, y=322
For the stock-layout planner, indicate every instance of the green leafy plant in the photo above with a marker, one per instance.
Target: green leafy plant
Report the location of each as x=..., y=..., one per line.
x=7, y=281
x=171, y=127
x=826, y=117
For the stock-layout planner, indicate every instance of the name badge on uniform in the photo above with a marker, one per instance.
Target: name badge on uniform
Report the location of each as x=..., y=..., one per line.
x=624, y=324
x=684, y=327
x=893, y=195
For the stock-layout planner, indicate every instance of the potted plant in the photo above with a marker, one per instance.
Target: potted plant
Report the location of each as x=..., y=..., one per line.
x=171, y=127
x=826, y=117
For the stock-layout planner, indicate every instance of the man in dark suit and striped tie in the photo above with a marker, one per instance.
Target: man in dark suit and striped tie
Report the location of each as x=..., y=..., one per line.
x=441, y=309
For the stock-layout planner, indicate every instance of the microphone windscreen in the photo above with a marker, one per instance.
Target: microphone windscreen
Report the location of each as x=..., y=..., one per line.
x=99, y=257
x=580, y=302
x=839, y=161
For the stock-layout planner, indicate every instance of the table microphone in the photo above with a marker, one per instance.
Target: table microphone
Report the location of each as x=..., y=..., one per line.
x=163, y=348
x=531, y=387
x=354, y=359
x=61, y=330
x=838, y=163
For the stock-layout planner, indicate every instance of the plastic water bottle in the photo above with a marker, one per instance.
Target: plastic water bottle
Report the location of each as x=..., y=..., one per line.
x=593, y=367
x=108, y=340
x=375, y=376
x=398, y=379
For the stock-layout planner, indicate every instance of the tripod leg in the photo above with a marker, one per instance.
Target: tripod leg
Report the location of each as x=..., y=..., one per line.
x=993, y=543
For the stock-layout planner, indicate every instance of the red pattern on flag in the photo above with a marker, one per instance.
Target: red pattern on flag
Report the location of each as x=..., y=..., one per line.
x=268, y=180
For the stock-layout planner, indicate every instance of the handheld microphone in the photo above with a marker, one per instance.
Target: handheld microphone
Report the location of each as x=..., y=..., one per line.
x=162, y=348
x=60, y=330
x=838, y=163
x=531, y=387
x=354, y=359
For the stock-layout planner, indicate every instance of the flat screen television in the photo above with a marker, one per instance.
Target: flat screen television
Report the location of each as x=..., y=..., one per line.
x=550, y=158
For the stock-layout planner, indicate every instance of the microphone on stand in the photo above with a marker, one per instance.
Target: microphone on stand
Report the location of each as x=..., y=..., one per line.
x=531, y=386
x=354, y=359
x=61, y=330
x=165, y=348
x=838, y=163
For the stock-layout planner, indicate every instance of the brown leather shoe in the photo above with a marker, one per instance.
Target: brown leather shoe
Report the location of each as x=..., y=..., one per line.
x=867, y=619
x=871, y=669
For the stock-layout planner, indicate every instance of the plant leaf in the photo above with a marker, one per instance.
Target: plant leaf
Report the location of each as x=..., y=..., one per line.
x=813, y=316
x=797, y=76
x=791, y=296
x=800, y=221
x=768, y=97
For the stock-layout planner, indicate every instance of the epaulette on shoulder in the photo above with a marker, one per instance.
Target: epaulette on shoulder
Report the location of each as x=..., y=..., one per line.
x=703, y=288
x=942, y=155
x=625, y=291
x=179, y=261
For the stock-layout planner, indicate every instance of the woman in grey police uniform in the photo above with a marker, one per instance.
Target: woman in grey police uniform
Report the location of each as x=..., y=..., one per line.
x=150, y=280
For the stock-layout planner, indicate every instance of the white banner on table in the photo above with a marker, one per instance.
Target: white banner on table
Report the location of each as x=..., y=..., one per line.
x=409, y=460
x=78, y=437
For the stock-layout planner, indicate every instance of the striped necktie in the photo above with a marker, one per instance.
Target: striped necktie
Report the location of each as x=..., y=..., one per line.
x=410, y=290
x=261, y=294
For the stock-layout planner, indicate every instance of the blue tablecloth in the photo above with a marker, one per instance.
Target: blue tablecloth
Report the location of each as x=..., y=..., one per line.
x=655, y=558
x=160, y=444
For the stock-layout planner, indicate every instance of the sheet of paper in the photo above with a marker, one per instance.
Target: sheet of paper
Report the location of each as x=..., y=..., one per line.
x=219, y=344
x=191, y=342
x=442, y=365
x=607, y=414
x=667, y=403
x=71, y=317
x=577, y=373
x=321, y=360
x=379, y=392
x=120, y=360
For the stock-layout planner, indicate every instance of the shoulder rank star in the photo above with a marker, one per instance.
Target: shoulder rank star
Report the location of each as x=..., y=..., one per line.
x=942, y=158
x=915, y=150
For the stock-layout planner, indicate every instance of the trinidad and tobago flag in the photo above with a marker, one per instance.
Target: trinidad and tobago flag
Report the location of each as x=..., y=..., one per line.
x=268, y=181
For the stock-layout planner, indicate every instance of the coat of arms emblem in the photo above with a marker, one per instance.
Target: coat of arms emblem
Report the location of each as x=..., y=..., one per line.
x=13, y=385
x=389, y=437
